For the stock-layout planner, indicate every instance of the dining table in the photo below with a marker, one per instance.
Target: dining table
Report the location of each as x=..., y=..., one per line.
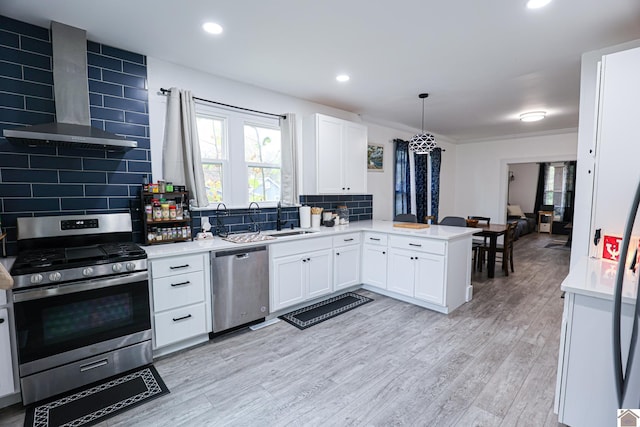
x=492, y=232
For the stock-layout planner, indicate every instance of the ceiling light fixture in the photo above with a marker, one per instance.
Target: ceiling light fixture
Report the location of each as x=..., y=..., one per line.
x=422, y=143
x=537, y=4
x=533, y=116
x=342, y=78
x=212, y=28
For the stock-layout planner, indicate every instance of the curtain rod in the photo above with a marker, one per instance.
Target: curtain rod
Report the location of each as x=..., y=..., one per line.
x=165, y=91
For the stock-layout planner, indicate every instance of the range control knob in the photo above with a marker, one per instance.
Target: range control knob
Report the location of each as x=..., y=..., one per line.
x=87, y=272
x=117, y=267
x=36, y=278
x=55, y=276
x=131, y=266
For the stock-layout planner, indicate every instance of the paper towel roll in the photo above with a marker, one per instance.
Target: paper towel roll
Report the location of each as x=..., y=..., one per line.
x=305, y=217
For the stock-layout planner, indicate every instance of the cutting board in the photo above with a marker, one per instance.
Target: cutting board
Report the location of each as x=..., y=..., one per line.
x=413, y=225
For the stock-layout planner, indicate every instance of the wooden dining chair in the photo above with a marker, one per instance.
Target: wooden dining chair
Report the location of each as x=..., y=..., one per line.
x=505, y=250
x=476, y=243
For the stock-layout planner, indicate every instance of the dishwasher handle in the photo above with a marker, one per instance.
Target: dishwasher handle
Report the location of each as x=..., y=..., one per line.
x=240, y=253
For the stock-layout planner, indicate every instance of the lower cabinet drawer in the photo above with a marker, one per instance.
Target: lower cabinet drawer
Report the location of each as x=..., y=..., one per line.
x=417, y=244
x=177, y=265
x=3, y=297
x=177, y=291
x=375, y=238
x=179, y=324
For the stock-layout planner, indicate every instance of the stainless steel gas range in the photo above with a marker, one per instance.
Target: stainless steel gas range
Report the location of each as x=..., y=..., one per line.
x=81, y=302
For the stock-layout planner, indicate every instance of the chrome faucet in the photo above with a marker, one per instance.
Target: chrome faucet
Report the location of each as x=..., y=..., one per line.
x=279, y=222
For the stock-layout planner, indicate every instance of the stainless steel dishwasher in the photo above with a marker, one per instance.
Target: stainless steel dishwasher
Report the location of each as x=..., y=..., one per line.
x=240, y=287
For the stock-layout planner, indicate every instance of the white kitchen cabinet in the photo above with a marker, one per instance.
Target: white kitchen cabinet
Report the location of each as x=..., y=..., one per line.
x=346, y=260
x=181, y=299
x=374, y=259
x=334, y=156
x=607, y=174
x=417, y=274
x=429, y=278
x=300, y=271
x=6, y=366
x=585, y=394
x=417, y=268
x=401, y=273
x=374, y=265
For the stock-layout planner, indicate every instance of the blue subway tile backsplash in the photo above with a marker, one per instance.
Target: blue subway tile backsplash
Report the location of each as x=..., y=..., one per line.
x=46, y=180
x=242, y=220
x=360, y=205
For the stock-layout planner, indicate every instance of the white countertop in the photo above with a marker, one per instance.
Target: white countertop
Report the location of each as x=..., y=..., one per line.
x=440, y=232
x=596, y=277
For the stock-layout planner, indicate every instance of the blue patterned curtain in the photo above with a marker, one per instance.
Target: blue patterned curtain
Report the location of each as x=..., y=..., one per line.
x=402, y=184
x=436, y=160
x=422, y=186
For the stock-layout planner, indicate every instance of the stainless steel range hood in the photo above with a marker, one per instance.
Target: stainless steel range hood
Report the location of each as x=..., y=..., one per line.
x=71, y=88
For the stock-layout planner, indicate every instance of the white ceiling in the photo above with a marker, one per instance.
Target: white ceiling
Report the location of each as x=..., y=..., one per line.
x=483, y=62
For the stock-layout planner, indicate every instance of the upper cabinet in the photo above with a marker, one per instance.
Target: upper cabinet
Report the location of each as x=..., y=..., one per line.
x=334, y=156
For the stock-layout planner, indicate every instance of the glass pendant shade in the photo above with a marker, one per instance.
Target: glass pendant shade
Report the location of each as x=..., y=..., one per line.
x=422, y=143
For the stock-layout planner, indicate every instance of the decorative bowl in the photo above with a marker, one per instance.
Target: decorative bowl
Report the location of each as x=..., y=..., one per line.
x=472, y=222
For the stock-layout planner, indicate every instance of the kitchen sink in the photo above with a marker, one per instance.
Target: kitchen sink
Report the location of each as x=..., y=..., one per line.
x=292, y=233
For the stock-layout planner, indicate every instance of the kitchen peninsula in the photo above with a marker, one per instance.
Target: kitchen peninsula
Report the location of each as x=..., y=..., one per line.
x=428, y=267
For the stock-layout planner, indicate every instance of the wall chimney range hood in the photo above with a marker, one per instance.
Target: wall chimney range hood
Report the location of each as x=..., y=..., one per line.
x=71, y=89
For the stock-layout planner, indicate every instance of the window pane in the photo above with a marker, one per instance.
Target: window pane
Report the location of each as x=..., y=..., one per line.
x=213, y=181
x=264, y=184
x=261, y=144
x=210, y=134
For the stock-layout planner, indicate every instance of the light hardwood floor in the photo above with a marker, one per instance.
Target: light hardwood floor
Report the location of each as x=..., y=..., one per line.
x=490, y=363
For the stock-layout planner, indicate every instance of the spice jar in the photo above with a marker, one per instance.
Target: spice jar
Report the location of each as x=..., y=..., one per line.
x=165, y=210
x=172, y=212
x=148, y=210
x=157, y=210
x=169, y=187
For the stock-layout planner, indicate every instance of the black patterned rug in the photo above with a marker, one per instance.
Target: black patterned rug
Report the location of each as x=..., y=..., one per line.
x=312, y=315
x=98, y=401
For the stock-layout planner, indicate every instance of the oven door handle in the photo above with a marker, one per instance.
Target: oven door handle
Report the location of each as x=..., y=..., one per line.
x=69, y=288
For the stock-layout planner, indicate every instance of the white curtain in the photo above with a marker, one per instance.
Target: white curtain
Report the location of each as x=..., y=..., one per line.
x=181, y=161
x=289, y=170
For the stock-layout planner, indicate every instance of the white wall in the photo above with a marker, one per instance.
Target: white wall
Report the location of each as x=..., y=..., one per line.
x=163, y=74
x=482, y=169
x=522, y=190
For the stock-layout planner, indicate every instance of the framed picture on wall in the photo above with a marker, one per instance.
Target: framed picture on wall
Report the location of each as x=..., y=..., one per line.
x=375, y=156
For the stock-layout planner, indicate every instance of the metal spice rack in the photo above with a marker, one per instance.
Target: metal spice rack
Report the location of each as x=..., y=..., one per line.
x=166, y=230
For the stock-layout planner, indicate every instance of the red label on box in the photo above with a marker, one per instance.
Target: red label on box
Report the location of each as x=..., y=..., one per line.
x=611, y=247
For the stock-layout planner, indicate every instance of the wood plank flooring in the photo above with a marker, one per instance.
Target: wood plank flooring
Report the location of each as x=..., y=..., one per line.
x=490, y=363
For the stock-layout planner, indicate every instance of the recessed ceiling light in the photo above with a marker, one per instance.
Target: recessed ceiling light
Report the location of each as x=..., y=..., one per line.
x=342, y=78
x=212, y=28
x=533, y=116
x=536, y=4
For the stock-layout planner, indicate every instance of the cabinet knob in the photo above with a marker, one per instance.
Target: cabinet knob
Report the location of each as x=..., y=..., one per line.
x=590, y=151
x=1, y=321
x=337, y=253
x=384, y=253
x=308, y=259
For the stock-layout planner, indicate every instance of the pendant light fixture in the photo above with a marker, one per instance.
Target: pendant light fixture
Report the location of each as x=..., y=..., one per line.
x=422, y=143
